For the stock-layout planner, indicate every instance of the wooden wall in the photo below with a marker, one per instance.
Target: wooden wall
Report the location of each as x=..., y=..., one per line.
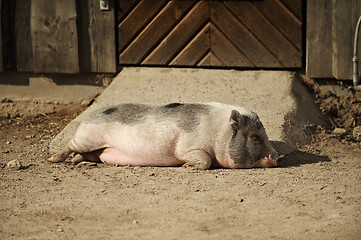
x=50, y=36
x=97, y=37
x=330, y=37
x=7, y=29
x=23, y=40
x=1, y=40
x=54, y=36
x=72, y=36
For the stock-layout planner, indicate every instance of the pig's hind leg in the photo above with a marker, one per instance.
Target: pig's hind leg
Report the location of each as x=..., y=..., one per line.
x=77, y=146
x=198, y=159
x=61, y=157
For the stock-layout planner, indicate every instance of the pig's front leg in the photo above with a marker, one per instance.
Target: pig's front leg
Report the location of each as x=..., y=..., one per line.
x=198, y=159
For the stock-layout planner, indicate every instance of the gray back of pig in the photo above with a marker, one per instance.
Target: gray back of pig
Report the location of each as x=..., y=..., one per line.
x=186, y=115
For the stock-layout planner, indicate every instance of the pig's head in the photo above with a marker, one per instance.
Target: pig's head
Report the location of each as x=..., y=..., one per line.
x=249, y=146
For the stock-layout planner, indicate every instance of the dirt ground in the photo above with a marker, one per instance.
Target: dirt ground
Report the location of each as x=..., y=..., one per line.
x=315, y=193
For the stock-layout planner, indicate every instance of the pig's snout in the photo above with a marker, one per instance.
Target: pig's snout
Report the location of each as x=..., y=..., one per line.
x=272, y=160
x=266, y=162
x=269, y=161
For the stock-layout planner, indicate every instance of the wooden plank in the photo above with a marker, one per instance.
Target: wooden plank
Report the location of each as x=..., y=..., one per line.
x=24, y=51
x=1, y=42
x=8, y=34
x=206, y=60
x=124, y=8
x=154, y=32
x=84, y=47
x=226, y=50
x=245, y=41
x=54, y=34
x=211, y=60
x=180, y=35
x=97, y=35
x=319, y=39
x=136, y=21
x=287, y=54
x=345, y=16
x=67, y=38
x=195, y=49
x=284, y=20
x=295, y=6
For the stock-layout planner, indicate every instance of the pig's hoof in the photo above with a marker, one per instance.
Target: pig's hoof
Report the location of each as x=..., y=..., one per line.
x=55, y=158
x=195, y=166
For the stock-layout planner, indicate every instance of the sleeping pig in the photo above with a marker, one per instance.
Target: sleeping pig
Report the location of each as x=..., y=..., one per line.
x=199, y=135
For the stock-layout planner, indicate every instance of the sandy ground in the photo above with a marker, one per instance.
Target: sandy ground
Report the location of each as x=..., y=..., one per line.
x=314, y=194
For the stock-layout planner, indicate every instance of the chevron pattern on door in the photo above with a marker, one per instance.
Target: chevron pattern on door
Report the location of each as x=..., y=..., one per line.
x=210, y=33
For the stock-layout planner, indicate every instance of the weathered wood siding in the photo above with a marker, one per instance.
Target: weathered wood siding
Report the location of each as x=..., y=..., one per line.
x=345, y=16
x=8, y=34
x=1, y=40
x=319, y=39
x=330, y=37
x=97, y=38
x=54, y=36
x=23, y=41
x=211, y=33
x=50, y=36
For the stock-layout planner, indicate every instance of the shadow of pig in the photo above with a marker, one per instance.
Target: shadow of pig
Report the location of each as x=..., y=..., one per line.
x=298, y=158
x=295, y=158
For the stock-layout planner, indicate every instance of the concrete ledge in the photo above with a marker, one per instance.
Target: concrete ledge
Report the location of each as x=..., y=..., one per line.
x=278, y=97
x=59, y=87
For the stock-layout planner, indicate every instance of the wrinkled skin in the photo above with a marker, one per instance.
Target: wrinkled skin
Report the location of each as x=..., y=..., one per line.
x=199, y=135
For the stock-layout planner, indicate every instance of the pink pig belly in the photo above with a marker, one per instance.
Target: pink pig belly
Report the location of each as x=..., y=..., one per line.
x=114, y=156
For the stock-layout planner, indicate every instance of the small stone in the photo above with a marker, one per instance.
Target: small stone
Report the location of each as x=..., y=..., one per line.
x=340, y=131
x=356, y=133
x=14, y=165
x=6, y=100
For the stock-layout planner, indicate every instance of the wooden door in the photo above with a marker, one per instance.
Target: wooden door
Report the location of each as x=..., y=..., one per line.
x=260, y=34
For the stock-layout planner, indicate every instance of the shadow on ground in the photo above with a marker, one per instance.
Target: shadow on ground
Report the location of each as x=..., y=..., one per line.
x=294, y=158
x=298, y=158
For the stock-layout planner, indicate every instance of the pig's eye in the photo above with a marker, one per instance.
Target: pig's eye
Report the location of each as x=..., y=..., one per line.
x=255, y=138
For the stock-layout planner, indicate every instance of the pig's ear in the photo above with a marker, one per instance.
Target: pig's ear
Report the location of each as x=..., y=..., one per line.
x=237, y=120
